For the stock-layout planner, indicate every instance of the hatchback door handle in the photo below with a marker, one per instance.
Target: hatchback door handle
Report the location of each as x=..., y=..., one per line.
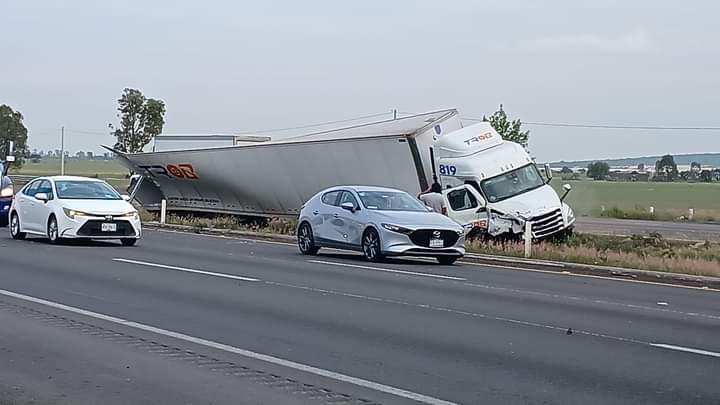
x=336, y=215
x=315, y=212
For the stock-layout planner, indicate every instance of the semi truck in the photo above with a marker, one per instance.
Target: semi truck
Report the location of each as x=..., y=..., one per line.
x=491, y=186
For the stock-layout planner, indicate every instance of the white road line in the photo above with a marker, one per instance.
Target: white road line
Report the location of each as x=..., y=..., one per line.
x=231, y=349
x=187, y=270
x=568, y=273
x=686, y=349
x=498, y=266
x=595, y=301
x=410, y=273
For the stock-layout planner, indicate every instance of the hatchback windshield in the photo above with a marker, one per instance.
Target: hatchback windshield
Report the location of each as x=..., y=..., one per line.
x=85, y=190
x=390, y=201
x=510, y=184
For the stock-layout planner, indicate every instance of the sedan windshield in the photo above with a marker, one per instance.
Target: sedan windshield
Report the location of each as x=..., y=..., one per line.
x=390, y=201
x=85, y=190
x=513, y=183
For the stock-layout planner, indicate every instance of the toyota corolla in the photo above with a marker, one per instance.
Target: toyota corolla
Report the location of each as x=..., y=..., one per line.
x=379, y=222
x=73, y=207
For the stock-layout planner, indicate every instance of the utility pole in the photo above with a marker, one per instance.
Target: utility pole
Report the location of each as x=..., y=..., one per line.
x=62, y=151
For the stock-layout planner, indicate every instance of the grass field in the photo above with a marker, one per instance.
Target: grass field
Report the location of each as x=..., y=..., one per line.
x=669, y=199
x=109, y=170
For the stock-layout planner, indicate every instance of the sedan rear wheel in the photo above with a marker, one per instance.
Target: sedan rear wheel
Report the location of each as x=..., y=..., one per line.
x=15, y=227
x=53, y=233
x=306, y=242
x=371, y=246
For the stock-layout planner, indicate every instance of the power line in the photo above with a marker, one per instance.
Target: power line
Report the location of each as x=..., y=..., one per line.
x=607, y=126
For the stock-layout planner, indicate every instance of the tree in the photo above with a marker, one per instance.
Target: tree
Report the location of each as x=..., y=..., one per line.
x=666, y=168
x=508, y=130
x=566, y=170
x=641, y=167
x=80, y=155
x=13, y=129
x=140, y=120
x=598, y=170
x=89, y=155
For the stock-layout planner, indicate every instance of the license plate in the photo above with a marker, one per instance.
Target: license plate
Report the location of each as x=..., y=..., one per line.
x=108, y=227
x=436, y=243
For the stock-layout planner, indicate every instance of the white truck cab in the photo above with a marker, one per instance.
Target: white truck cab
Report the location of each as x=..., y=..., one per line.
x=494, y=186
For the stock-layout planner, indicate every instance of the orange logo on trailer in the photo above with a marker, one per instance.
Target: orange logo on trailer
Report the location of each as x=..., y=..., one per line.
x=179, y=171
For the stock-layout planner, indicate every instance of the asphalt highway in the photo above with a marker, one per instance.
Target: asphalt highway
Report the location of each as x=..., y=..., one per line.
x=185, y=318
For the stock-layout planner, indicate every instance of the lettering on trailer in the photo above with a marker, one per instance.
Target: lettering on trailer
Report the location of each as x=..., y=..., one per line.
x=481, y=137
x=179, y=171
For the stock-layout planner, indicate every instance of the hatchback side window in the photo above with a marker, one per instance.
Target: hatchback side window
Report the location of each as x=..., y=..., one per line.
x=348, y=197
x=461, y=200
x=32, y=188
x=331, y=198
x=45, y=187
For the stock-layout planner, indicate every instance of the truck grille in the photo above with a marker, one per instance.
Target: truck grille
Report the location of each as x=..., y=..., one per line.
x=93, y=228
x=422, y=237
x=547, y=224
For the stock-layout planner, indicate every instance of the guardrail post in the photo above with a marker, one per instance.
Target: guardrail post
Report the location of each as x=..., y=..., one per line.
x=163, y=211
x=527, y=235
x=691, y=214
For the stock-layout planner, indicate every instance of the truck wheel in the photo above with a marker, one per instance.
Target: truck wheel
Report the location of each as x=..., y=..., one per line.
x=15, y=227
x=306, y=242
x=371, y=246
x=446, y=260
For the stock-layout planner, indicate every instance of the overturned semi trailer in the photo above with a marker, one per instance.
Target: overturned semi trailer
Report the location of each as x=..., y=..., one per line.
x=259, y=176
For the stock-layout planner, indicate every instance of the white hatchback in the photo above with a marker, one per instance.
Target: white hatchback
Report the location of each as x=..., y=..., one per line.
x=62, y=207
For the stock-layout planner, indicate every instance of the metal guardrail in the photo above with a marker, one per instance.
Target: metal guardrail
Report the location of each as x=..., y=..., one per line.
x=21, y=178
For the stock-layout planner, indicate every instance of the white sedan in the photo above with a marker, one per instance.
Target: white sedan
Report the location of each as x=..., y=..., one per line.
x=62, y=207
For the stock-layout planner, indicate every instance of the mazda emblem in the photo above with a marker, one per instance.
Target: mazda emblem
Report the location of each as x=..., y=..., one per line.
x=436, y=234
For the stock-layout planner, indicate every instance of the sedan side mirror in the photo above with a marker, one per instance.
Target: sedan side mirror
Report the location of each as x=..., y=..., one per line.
x=348, y=206
x=42, y=197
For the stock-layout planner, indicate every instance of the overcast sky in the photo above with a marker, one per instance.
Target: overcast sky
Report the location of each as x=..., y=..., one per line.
x=239, y=66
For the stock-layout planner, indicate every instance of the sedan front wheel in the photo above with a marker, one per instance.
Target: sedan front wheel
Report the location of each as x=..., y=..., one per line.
x=371, y=246
x=53, y=233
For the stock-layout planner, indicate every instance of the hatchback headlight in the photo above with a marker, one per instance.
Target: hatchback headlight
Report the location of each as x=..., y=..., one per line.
x=6, y=192
x=72, y=213
x=396, y=228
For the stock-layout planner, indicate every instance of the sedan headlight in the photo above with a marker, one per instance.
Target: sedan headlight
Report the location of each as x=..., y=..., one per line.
x=396, y=228
x=131, y=214
x=6, y=192
x=72, y=213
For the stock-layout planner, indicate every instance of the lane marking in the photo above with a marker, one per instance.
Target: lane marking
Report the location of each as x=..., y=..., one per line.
x=236, y=350
x=686, y=349
x=567, y=273
x=594, y=301
x=410, y=273
x=185, y=269
x=498, y=266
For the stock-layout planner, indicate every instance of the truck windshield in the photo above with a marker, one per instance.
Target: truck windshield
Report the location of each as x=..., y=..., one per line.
x=512, y=183
x=390, y=201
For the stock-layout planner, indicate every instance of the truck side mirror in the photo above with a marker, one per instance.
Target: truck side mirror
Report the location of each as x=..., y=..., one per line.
x=548, y=172
x=567, y=189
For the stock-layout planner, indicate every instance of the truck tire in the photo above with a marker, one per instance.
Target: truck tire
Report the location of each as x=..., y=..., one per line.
x=306, y=241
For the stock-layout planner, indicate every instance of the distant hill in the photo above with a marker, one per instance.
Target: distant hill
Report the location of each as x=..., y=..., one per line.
x=705, y=159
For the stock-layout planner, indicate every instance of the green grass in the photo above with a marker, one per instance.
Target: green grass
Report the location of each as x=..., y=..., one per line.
x=633, y=199
x=105, y=169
